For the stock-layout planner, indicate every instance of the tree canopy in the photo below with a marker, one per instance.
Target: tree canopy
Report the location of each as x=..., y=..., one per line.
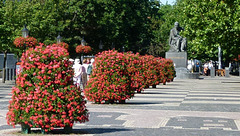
x=137, y=25
x=209, y=25
x=124, y=23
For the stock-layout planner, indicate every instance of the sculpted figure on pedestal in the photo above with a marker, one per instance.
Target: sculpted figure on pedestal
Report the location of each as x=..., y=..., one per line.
x=177, y=42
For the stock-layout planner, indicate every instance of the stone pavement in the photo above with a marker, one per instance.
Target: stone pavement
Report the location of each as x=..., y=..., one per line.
x=191, y=107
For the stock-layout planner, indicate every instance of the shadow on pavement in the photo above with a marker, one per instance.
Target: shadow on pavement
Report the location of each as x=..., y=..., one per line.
x=101, y=130
x=142, y=103
x=152, y=93
x=2, y=86
x=81, y=131
x=157, y=88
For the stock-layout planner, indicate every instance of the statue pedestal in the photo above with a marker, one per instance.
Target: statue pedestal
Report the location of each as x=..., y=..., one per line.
x=180, y=63
x=179, y=58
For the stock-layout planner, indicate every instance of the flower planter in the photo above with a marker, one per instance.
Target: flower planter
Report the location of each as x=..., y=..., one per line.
x=122, y=101
x=109, y=101
x=154, y=86
x=139, y=91
x=25, y=129
x=43, y=131
x=67, y=129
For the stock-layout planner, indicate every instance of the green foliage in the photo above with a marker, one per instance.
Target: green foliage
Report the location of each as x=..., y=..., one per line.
x=209, y=24
x=132, y=24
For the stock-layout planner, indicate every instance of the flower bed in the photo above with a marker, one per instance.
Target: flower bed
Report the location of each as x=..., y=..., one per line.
x=116, y=76
x=44, y=95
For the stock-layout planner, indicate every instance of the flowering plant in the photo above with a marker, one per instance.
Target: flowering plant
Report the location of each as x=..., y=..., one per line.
x=169, y=71
x=28, y=42
x=150, y=70
x=110, y=80
x=44, y=95
x=83, y=49
x=61, y=44
x=116, y=76
x=19, y=42
x=135, y=71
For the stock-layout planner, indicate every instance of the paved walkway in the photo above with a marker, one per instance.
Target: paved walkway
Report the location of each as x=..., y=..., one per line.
x=197, y=107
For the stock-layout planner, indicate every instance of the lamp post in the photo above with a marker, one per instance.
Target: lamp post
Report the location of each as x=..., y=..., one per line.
x=25, y=31
x=113, y=46
x=100, y=45
x=83, y=42
x=59, y=39
x=123, y=49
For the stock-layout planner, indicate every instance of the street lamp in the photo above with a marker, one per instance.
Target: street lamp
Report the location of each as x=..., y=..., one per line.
x=59, y=39
x=113, y=46
x=123, y=49
x=100, y=45
x=83, y=42
x=25, y=31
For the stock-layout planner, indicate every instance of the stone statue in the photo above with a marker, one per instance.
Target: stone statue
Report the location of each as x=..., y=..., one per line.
x=177, y=43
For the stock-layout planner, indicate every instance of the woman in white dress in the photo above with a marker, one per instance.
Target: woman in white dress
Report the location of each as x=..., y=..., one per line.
x=77, y=72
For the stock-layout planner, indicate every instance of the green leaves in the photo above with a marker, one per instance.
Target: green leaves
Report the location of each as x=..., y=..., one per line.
x=209, y=24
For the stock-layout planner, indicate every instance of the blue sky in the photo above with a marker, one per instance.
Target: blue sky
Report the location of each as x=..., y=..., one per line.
x=169, y=1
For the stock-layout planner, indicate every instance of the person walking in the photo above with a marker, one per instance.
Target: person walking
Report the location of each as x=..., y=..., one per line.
x=77, y=72
x=89, y=69
x=84, y=73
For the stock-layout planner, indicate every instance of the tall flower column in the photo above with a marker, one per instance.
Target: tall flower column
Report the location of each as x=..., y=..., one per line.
x=44, y=95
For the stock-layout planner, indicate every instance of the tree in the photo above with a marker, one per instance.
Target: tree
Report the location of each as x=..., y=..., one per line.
x=5, y=34
x=162, y=18
x=132, y=24
x=210, y=24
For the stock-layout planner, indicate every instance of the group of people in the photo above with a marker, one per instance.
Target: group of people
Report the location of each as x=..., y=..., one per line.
x=207, y=68
x=82, y=71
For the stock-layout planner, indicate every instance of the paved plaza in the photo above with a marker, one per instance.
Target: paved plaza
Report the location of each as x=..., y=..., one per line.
x=192, y=107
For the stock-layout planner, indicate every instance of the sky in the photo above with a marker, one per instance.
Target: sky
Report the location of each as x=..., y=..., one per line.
x=169, y=1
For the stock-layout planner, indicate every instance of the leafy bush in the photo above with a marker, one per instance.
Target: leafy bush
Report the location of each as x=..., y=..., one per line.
x=44, y=95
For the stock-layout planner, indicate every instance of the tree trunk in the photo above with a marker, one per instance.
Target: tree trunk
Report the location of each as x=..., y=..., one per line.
x=4, y=67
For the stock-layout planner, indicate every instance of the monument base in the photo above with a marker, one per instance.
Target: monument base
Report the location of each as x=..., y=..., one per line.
x=180, y=63
x=183, y=73
x=179, y=58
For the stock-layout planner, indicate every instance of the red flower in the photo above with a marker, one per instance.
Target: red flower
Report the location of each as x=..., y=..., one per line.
x=28, y=42
x=83, y=49
x=43, y=90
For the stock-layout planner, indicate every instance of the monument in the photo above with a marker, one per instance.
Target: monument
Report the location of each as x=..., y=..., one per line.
x=177, y=53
